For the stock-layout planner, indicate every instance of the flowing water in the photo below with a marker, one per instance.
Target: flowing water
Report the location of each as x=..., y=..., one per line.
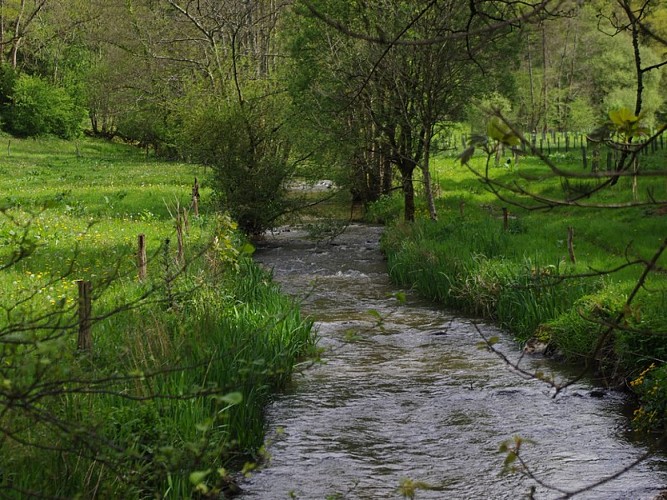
x=404, y=393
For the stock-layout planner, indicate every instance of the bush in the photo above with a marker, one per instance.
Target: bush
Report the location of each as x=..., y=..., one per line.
x=249, y=155
x=634, y=343
x=386, y=209
x=39, y=108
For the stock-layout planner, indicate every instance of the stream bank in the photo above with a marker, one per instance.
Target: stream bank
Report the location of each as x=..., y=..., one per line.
x=404, y=393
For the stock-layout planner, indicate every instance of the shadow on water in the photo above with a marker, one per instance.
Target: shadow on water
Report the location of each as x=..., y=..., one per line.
x=404, y=392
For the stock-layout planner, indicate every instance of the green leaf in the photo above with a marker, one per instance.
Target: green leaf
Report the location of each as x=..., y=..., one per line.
x=622, y=117
x=198, y=476
x=248, y=467
x=247, y=249
x=374, y=313
x=501, y=132
x=233, y=398
x=510, y=459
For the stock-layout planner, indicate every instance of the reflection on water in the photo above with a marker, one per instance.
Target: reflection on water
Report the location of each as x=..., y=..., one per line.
x=404, y=392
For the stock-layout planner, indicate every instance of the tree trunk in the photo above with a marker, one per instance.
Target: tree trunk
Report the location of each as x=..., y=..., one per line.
x=408, y=192
x=2, y=31
x=386, y=174
x=533, y=121
x=426, y=170
x=545, y=87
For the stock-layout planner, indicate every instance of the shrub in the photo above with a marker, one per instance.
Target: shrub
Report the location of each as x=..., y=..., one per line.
x=249, y=155
x=39, y=108
x=386, y=209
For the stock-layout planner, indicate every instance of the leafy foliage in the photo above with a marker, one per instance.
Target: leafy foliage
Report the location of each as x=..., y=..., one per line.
x=249, y=155
x=39, y=108
x=626, y=124
x=499, y=131
x=651, y=387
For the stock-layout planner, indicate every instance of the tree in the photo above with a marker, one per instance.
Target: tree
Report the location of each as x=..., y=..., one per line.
x=575, y=65
x=16, y=21
x=407, y=74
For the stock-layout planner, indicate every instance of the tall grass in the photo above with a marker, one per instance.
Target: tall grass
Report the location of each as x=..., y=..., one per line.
x=522, y=277
x=170, y=401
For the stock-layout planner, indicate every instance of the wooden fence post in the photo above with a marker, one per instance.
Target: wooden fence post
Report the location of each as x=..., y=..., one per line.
x=141, y=257
x=186, y=221
x=506, y=221
x=570, y=244
x=462, y=208
x=85, y=340
x=195, y=198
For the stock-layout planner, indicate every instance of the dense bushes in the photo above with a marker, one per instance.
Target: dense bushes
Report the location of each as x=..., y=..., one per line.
x=248, y=153
x=38, y=108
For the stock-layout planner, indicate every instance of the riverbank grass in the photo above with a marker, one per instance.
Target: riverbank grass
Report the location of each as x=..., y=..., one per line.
x=518, y=270
x=169, y=400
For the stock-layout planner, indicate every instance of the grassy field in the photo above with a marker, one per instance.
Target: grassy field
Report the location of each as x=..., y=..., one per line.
x=522, y=275
x=170, y=399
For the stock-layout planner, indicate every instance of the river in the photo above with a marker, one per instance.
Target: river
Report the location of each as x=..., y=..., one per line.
x=405, y=396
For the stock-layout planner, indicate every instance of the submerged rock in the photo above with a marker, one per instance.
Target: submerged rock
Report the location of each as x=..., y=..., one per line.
x=536, y=346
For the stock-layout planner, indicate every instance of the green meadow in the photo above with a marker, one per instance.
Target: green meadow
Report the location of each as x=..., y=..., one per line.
x=169, y=401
